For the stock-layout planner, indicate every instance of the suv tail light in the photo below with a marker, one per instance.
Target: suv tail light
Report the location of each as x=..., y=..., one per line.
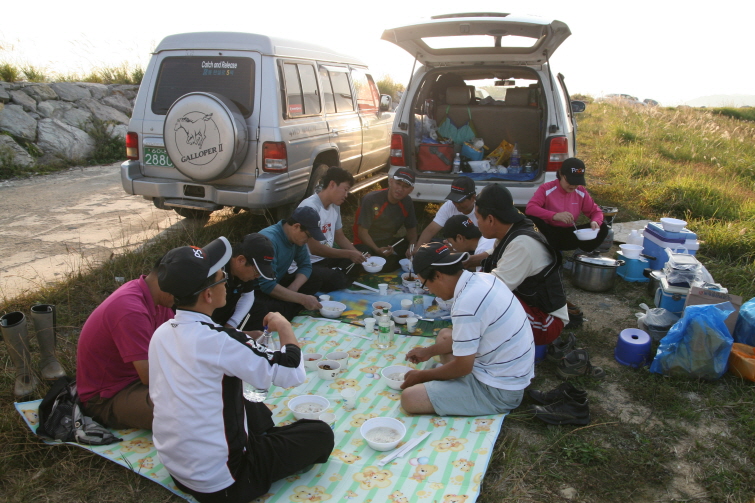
x=132, y=146
x=274, y=157
x=397, y=150
x=558, y=151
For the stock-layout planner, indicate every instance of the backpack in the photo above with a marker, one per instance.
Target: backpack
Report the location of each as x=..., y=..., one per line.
x=61, y=418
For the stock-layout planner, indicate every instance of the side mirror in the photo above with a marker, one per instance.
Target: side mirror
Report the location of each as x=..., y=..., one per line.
x=578, y=106
x=385, y=102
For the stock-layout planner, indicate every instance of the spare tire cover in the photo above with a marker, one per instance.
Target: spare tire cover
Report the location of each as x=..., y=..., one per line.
x=205, y=136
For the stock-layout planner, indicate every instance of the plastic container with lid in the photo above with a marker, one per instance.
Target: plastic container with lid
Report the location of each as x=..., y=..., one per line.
x=671, y=298
x=656, y=240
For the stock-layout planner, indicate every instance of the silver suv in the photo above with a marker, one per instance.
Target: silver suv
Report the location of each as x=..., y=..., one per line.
x=251, y=121
x=493, y=70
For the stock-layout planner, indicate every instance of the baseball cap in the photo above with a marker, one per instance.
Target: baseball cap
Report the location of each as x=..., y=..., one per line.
x=460, y=224
x=259, y=250
x=183, y=271
x=461, y=188
x=405, y=175
x=435, y=254
x=309, y=219
x=574, y=171
x=498, y=201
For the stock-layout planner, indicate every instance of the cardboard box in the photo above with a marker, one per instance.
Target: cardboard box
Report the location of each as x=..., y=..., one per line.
x=698, y=296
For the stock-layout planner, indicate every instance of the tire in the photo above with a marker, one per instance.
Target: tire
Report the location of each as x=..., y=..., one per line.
x=205, y=136
x=317, y=172
x=198, y=215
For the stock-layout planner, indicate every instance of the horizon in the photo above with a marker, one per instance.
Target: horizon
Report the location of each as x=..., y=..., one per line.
x=691, y=52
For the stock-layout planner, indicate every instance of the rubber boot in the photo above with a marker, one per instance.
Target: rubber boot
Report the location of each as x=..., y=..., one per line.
x=13, y=326
x=43, y=316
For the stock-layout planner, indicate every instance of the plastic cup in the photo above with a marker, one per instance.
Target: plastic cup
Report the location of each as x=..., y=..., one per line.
x=324, y=298
x=369, y=325
x=406, y=304
x=349, y=396
x=383, y=287
x=328, y=418
x=411, y=324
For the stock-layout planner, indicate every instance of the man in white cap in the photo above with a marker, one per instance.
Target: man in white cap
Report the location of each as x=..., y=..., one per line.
x=488, y=356
x=201, y=428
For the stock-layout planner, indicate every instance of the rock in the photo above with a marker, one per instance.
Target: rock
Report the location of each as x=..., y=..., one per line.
x=117, y=130
x=104, y=112
x=98, y=91
x=15, y=121
x=16, y=152
x=23, y=99
x=119, y=102
x=34, y=115
x=4, y=96
x=70, y=92
x=53, y=108
x=58, y=138
x=40, y=92
x=76, y=117
x=127, y=90
x=568, y=492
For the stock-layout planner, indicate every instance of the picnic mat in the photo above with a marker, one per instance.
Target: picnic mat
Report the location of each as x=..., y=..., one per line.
x=447, y=467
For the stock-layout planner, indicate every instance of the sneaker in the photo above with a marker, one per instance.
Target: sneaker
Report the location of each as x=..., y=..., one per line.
x=564, y=392
x=577, y=364
x=559, y=348
x=564, y=412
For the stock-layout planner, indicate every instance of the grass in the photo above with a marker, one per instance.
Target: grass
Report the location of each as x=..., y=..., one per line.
x=125, y=73
x=652, y=438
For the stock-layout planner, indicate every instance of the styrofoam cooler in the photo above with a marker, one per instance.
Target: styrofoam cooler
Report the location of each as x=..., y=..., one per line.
x=671, y=298
x=656, y=240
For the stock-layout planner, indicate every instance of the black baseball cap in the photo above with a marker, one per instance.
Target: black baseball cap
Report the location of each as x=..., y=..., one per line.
x=460, y=224
x=405, y=175
x=259, y=250
x=435, y=254
x=461, y=188
x=308, y=218
x=498, y=201
x=574, y=171
x=183, y=271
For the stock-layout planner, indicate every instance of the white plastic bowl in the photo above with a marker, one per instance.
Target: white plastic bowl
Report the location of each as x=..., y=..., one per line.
x=377, y=422
x=400, y=316
x=332, y=309
x=631, y=251
x=301, y=399
x=311, y=360
x=406, y=264
x=445, y=305
x=393, y=369
x=673, y=224
x=341, y=357
x=373, y=264
x=380, y=305
x=586, y=234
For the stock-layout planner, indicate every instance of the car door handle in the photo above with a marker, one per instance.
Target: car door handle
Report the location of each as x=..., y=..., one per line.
x=334, y=132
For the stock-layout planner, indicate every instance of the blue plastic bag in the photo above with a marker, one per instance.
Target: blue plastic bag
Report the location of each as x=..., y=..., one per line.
x=744, y=330
x=698, y=345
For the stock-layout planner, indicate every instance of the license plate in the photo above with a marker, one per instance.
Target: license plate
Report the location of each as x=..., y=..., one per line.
x=157, y=157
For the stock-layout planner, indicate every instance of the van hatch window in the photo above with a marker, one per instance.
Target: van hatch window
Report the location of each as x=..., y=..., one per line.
x=302, y=94
x=230, y=76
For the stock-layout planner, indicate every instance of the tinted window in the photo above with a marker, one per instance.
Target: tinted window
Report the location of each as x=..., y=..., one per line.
x=301, y=89
x=309, y=89
x=231, y=77
x=341, y=91
x=293, y=90
x=367, y=100
x=327, y=91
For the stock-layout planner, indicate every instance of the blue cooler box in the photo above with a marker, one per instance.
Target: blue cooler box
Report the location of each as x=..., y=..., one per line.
x=671, y=298
x=656, y=240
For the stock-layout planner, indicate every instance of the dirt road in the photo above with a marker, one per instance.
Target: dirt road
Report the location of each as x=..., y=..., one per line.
x=51, y=225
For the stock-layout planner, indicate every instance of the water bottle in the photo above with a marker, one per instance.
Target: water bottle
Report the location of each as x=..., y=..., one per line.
x=634, y=238
x=250, y=392
x=457, y=163
x=419, y=305
x=514, y=160
x=385, y=336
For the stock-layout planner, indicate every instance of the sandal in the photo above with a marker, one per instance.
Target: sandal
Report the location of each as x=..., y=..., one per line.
x=577, y=364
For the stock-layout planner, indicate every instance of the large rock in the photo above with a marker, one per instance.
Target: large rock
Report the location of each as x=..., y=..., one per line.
x=4, y=96
x=128, y=90
x=53, y=109
x=76, y=117
x=13, y=152
x=58, y=138
x=104, y=112
x=23, y=99
x=98, y=91
x=70, y=92
x=40, y=92
x=117, y=130
x=119, y=102
x=15, y=121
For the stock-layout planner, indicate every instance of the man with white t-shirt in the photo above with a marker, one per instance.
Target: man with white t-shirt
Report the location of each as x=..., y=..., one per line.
x=329, y=261
x=462, y=235
x=488, y=356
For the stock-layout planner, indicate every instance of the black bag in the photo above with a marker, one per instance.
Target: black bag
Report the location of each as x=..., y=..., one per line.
x=61, y=418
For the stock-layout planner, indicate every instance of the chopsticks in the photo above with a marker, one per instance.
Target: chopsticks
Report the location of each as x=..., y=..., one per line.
x=346, y=332
x=366, y=287
x=364, y=254
x=397, y=242
x=411, y=444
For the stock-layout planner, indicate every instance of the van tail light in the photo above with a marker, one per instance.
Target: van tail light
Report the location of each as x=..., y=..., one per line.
x=274, y=157
x=558, y=151
x=132, y=146
x=397, y=150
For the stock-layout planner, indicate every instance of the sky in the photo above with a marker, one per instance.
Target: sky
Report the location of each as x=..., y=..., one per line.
x=668, y=50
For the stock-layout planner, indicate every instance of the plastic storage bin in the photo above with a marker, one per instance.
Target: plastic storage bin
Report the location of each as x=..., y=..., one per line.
x=671, y=298
x=632, y=269
x=656, y=240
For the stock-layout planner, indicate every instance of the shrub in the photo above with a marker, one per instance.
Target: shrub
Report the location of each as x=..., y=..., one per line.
x=388, y=86
x=9, y=72
x=108, y=147
x=35, y=74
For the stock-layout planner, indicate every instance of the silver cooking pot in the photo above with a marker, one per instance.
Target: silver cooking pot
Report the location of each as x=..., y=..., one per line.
x=594, y=273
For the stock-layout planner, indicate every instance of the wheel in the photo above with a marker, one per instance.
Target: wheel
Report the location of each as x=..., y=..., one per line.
x=205, y=136
x=193, y=214
x=317, y=172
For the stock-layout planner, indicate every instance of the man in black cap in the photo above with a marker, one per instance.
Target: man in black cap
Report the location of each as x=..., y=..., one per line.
x=525, y=261
x=462, y=235
x=555, y=207
x=382, y=214
x=289, y=292
x=252, y=258
x=202, y=428
x=487, y=357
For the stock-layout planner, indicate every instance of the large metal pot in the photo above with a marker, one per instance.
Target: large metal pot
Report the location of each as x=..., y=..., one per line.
x=594, y=273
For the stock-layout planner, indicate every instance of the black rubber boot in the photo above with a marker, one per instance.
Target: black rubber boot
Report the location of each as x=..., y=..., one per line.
x=564, y=392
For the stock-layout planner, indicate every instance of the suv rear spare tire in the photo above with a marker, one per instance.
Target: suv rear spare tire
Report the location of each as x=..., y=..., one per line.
x=205, y=136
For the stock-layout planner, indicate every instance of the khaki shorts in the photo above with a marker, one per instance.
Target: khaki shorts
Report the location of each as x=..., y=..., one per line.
x=466, y=396
x=129, y=408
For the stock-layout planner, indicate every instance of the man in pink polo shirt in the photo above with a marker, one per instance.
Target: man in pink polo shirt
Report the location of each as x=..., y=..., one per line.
x=112, y=372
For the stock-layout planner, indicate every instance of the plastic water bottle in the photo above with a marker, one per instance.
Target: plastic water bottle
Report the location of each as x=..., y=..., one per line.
x=385, y=336
x=250, y=392
x=514, y=160
x=419, y=305
x=457, y=163
x=634, y=238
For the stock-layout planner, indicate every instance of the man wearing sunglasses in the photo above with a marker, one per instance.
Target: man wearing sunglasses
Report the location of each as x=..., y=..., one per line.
x=487, y=357
x=204, y=430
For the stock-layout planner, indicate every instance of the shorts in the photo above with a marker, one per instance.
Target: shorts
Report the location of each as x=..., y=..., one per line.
x=466, y=396
x=545, y=327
